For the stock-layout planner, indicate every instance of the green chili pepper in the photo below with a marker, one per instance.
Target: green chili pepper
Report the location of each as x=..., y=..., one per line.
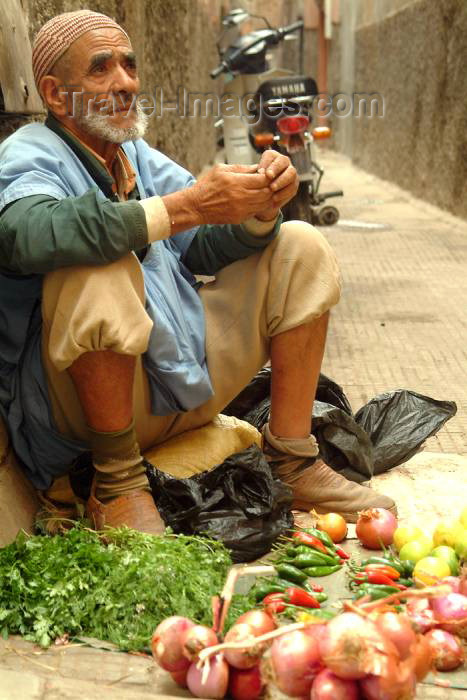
x=291, y=573
x=313, y=559
x=375, y=591
x=321, y=570
x=405, y=582
x=324, y=614
x=408, y=567
x=286, y=584
x=384, y=561
x=320, y=597
x=262, y=590
x=293, y=552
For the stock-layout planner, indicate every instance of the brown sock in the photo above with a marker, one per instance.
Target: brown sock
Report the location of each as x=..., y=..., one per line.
x=118, y=462
x=299, y=447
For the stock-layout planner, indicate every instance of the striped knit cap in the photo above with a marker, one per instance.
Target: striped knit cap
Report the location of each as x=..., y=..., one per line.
x=57, y=35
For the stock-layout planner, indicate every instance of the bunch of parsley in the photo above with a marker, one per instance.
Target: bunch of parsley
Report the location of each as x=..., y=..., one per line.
x=116, y=589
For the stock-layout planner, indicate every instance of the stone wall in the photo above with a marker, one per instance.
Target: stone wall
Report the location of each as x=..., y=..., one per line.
x=414, y=55
x=175, y=42
x=176, y=45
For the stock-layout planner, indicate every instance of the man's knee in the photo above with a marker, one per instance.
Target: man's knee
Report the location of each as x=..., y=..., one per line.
x=302, y=242
x=83, y=280
x=86, y=308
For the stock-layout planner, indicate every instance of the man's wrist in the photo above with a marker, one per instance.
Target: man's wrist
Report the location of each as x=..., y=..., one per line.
x=270, y=215
x=259, y=227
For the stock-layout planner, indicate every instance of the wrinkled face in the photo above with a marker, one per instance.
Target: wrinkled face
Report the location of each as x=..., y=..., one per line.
x=99, y=74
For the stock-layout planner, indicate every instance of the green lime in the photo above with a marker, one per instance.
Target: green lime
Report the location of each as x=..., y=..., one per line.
x=405, y=534
x=416, y=550
x=461, y=545
x=449, y=556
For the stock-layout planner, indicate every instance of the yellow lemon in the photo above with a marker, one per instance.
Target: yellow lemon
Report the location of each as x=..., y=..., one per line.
x=463, y=517
x=449, y=556
x=429, y=570
x=416, y=550
x=446, y=532
x=405, y=534
x=460, y=546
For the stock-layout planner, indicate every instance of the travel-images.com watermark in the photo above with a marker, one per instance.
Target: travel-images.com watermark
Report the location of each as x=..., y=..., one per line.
x=249, y=107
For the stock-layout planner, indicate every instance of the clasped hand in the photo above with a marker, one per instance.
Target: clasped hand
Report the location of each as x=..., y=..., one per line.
x=230, y=194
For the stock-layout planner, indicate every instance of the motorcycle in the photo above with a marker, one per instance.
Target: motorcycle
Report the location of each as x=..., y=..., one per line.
x=274, y=112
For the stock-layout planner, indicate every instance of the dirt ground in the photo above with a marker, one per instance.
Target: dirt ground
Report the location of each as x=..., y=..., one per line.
x=400, y=324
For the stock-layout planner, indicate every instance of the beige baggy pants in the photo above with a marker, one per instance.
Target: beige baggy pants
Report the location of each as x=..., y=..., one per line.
x=85, y=308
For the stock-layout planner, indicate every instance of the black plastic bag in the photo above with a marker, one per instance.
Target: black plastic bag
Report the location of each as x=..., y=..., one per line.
x=252, y=404
x=399, y=422
x=258, y=389
x=387, y=431
x=238, y=502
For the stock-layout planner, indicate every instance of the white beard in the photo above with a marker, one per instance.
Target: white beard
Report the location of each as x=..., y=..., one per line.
x=97, y=125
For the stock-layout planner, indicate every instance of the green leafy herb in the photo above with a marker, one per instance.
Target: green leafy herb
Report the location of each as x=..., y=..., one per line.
x=116, y=587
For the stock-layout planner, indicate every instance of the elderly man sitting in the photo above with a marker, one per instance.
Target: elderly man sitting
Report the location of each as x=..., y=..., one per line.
x=107, y=343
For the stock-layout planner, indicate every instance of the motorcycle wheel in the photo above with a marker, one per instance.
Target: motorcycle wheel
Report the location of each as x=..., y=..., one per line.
x=299, y=207
x=327, y=216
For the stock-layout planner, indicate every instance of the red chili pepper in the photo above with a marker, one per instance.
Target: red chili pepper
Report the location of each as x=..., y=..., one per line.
x=386, y=570
x=274, y=603
x=316, y=587
x=297, y=596
x=310, y=541
x=340, y=552
x=373, y=577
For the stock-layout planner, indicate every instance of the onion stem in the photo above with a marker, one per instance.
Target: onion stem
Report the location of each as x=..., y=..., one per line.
x=206, y=653
x=227, y=592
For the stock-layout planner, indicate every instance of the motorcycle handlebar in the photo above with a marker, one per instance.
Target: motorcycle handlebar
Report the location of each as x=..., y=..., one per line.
x=276, y=36
x=291, y=27
x=218, y=70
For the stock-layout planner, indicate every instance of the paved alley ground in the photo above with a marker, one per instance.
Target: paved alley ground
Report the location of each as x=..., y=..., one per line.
x=401, y=323
x=402, y=319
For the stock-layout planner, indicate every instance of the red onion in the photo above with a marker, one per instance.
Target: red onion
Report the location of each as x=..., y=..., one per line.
x=245, y=684
x=259, y=620
x=242, y=658
x=421, y=657
x=352, y=647
x=327, y=686
x=197, y=638
x=398, y=630
x=216, y=682
x=166, y=643
x=295, y=661
x=376, y=527
x=420, y=614
x=316, y=630
x=454, y=582
x=451, y=613
x=399, y=683
x=180, y=677
x=446, y=650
